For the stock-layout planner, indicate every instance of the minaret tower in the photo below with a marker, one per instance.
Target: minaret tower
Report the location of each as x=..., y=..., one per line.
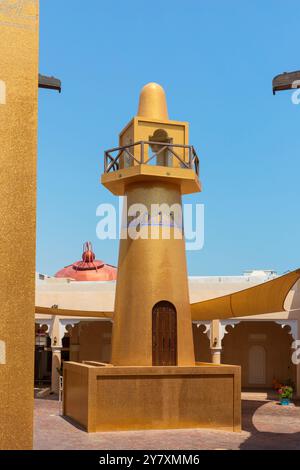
x=152, y=381
x=154, y=165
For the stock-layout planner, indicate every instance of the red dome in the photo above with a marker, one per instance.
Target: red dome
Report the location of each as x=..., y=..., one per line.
x=89, y=269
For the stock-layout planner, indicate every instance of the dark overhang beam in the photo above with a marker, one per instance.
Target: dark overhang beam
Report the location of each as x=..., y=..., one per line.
x=286, y=81
x=50, y=83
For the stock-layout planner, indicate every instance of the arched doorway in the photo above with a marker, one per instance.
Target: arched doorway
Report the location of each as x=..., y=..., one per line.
x=164, y=334
x=257, y=365
x=163, y=156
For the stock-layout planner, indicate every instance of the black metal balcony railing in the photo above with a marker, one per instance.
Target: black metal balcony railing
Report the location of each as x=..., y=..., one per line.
x=163, y=154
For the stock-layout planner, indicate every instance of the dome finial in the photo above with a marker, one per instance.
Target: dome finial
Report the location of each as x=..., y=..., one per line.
x=88, y=256
x=153, y=102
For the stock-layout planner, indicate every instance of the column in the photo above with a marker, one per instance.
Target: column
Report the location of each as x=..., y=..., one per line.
x=56, y=346
x=213, y=330
x=19, y=26
x=215, y=342
x=58, y=333
x=56, y=366
x=216, y=330
x=217, y=333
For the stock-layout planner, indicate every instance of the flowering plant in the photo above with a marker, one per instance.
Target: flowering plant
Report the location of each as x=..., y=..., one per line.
x=286, y=392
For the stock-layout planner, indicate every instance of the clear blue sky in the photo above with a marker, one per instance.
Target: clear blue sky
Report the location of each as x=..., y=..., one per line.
x=216, y=60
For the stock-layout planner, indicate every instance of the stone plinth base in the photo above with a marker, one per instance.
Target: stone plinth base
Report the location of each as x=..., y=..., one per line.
x=131, y=398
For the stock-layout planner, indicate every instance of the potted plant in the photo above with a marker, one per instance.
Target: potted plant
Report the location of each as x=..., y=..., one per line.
x=286, y=394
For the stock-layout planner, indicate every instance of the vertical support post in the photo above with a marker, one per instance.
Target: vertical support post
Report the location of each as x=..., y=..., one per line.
x=142, y=152
x=19, y=33
x=105, y=162
x=56, y=346
x=56, y=365
x=215, y=342
x=190, y=158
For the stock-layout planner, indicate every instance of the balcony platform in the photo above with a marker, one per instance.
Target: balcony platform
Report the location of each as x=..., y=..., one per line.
x=117, y=181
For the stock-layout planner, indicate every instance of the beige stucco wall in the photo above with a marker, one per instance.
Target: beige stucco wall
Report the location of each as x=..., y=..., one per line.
x=92, y=341
x=94, y=296
x=100, y=296
x=201, y=344
x=277, y=345
x=276, y=342
x=95, y=337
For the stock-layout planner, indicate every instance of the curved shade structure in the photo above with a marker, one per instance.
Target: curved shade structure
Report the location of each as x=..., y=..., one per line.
x=72, y=313
x=268, y=297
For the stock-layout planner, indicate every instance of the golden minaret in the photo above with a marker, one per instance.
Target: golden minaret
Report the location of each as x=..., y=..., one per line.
x=154, y=165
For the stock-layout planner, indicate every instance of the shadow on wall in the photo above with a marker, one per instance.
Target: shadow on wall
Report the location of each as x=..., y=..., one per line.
x=201, y=344
x=265, y=440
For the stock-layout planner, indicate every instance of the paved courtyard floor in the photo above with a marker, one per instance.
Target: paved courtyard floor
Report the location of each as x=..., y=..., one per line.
x=266, y=425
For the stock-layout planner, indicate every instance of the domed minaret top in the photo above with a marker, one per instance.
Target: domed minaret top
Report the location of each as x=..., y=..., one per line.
x=153, y=102
x=152, y=147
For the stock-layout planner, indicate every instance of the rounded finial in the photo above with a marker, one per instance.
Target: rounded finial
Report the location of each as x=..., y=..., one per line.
x=153, y=102
x=88, y=256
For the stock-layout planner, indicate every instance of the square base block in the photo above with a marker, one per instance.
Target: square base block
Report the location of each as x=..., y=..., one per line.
x=107, y=398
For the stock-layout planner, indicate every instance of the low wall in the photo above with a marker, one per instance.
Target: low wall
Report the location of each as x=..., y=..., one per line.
x=132, y=398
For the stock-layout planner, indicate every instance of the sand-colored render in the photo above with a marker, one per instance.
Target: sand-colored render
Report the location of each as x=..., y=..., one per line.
x=106, y=398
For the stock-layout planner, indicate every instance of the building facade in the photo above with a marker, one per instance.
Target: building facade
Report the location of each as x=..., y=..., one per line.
x=264, y=345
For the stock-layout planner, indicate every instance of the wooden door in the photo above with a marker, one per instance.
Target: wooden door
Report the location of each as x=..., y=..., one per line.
x=164, y=335
x=257, y=365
